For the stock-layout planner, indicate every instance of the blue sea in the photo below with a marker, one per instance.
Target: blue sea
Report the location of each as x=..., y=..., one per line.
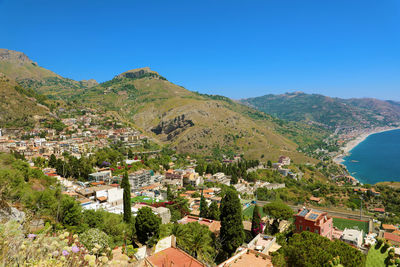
x=376, y=159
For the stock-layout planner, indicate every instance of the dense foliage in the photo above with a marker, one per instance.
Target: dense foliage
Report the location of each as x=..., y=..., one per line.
x=309, y=249
x=231, y=233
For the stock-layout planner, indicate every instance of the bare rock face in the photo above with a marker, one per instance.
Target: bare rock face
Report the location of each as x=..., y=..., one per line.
x=140, y=73
x=89, y=83
x=13, y=56
x=173, y=127
x=8, y=213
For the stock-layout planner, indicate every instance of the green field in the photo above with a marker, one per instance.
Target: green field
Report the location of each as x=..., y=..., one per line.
x=342, y=223
x=375, y=258
x=143, y=199
x=248, y=212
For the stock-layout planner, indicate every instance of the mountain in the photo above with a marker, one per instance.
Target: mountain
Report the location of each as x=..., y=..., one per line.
x=29, y=74
x=328, y=111
x=186, y=120
x=19, y=107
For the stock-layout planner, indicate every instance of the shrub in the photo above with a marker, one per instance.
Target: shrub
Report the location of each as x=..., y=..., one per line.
x=96, y=241
x=18, y=248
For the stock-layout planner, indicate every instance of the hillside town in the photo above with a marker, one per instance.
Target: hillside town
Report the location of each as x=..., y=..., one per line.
x=184, y=191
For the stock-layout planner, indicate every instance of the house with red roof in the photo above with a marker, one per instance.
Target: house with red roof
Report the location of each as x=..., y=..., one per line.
x=314, y=221
x=393, y=238
x=172, y=256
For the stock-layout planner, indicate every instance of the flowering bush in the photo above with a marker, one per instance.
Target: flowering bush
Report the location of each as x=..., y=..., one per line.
x=96, y=241
x=64, y=249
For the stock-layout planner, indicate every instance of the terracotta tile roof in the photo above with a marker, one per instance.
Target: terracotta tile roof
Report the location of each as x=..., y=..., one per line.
x=102, y=198
x=317, y=199
x=173, y=257
x=214, y=226
x=248, y=259
x=379, y=209
x=397, y=232
x=391, y=237
x=388, y=227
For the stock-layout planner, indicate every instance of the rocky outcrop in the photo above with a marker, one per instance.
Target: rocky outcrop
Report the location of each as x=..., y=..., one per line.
x=14, y=57
x=173, y=127
x=8, y=213
x=89, y=83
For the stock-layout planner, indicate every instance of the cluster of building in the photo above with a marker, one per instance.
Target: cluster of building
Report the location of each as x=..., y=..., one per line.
x=82, y=135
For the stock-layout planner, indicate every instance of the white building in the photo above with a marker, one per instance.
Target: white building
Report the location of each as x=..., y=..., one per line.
x=353, y=237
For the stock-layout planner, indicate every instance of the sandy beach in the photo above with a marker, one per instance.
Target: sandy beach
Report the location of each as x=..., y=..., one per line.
x=355, y=142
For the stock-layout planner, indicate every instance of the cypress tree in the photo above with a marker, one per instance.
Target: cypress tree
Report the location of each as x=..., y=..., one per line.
x=256, y=226
x=213, y=211
x=232, y=233
x=127, y=197
x=234, y=179
x=52, y=161
x=203, y=206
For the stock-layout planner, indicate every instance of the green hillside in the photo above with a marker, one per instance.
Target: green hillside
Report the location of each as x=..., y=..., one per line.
x=327, y=111
x=20, y=107
x=29, y=74
x=189, y=121
x=186, y=120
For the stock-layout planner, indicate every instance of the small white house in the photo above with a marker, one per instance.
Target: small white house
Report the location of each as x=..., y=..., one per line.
x=353, y=237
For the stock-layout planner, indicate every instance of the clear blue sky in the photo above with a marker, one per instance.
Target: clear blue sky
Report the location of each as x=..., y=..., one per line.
x=345, y=48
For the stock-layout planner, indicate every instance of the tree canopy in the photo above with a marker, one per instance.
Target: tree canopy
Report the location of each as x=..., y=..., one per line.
x=147, y=225
x=310, y=249
x=278, y=211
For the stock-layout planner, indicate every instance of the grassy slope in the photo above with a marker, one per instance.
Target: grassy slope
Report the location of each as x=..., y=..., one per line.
x=19, y=67
x=148, y=101
x=376, y=258
x=18, y=110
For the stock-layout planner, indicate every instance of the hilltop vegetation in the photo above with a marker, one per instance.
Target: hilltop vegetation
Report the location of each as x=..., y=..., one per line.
x=20, y=107
x=327, y=111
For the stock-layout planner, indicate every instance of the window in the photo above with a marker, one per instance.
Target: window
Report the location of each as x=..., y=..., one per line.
x=301, y=227
x=308, y=228
x=316, y=231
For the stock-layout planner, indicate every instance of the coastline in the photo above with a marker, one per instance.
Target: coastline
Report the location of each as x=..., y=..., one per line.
x=339, y=159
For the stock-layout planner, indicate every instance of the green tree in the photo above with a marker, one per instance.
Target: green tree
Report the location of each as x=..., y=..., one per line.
x=234, y=178
x=197, y=239
x=130, y=154
x=256, y=226
x=52, y=161
x=213, y=211
x=70, y=212
x=269, y=164
x=231, y=233
x=170, y=194
x=310, y=249
x=203, y=207
x=278, y=211
x=126, y=197
x=147, y=225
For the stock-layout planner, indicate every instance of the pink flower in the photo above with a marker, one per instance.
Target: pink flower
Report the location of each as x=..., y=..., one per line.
x=75, y=249
x=65, y=253
x=31, y=236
